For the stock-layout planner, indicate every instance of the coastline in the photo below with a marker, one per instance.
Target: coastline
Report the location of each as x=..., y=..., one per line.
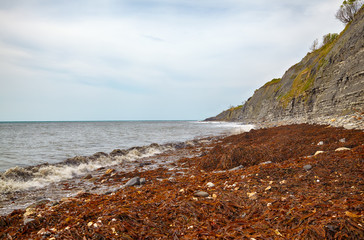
x=267, y=183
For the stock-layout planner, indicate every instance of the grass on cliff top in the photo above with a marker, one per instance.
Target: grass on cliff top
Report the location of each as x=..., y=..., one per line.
x=272, y=82
x=307, y=73
x=231, y=109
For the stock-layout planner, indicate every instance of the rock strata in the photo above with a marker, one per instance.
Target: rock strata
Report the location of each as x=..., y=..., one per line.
x=326, y=87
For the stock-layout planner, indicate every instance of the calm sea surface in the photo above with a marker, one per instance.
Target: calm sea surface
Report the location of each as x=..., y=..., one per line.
x=31, y=143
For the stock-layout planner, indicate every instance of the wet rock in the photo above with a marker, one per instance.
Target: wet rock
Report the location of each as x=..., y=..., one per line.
x=179, y=145
x=144, y=164
x=18, y=173
x=201, y=194
x=89, y=176
x=76, y=160
x=118, y=152
x=100, y=154
x=190, y=144
x=133, y=182
x=342, y=149
x=307, y=167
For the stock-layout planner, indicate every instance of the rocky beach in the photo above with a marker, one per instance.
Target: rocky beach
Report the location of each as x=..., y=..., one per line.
x=298, y=174
x=297, y=181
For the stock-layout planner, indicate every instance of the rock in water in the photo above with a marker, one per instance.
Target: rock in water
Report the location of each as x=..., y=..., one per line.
x=132, y=182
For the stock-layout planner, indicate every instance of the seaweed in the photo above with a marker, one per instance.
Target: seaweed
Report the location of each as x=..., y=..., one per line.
x=261, y=189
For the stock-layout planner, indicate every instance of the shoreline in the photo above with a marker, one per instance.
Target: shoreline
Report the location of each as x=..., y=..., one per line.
x=267, y=183
x=350, y=121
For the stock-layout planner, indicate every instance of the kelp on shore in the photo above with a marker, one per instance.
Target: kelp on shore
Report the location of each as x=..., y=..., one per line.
x=264, y=184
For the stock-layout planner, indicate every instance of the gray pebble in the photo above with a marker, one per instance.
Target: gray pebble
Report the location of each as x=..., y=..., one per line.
x=132, y=182
x=201, y=194
x=142, y=181
x=237, y=168
x=307, y=167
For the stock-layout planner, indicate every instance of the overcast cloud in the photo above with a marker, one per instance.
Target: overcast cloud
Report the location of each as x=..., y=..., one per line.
x=148, y=59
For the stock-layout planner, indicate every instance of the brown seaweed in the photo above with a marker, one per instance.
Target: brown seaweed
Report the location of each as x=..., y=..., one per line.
x=269, y=196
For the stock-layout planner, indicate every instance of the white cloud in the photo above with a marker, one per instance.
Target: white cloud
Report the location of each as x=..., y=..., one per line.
x=149, y=54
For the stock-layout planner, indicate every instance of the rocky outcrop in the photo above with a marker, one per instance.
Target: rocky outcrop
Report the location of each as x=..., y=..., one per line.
x=328, y=82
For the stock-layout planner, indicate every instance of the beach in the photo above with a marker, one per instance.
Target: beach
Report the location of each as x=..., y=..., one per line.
x=290, y=182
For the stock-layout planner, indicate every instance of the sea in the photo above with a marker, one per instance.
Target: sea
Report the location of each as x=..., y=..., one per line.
x=35, y=153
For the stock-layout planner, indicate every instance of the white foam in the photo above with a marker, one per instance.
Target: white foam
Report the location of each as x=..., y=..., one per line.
x=48, y=174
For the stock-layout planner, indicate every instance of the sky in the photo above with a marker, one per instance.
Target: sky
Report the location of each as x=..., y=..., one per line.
x=148, y=59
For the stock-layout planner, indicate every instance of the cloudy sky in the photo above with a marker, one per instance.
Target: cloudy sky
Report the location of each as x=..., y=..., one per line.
x=148, y=59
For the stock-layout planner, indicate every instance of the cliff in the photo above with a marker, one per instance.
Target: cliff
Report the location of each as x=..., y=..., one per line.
x=328, y=82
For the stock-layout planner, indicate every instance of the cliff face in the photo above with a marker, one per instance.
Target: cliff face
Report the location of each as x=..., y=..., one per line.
x=327, y=82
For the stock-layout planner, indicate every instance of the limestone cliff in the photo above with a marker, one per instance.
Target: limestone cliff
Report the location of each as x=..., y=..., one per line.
x=327, y=82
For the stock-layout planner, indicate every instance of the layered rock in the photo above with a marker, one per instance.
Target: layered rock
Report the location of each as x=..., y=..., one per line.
x=328, y=82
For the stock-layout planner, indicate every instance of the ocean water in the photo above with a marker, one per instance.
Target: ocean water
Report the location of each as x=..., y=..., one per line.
x=34, y=154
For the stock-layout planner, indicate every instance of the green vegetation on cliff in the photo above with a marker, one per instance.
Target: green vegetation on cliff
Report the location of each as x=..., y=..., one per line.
x=328, y=81
x=306, y=71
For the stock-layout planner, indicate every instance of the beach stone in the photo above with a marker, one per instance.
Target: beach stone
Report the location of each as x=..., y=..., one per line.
x=142, y=181
x=237, y=168
x=89, y=176
x=190, y=144
x=132, y=182
x=210, y=184
x=28, y=220
x=320, y=143
x=342, y=140
x=342, y=149
x=201, y=194
x=318, y=152
x=29, y=212
x=264, y=163
x=307, y=167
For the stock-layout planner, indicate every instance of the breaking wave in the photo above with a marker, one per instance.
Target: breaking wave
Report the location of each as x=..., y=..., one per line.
x=23, y=178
